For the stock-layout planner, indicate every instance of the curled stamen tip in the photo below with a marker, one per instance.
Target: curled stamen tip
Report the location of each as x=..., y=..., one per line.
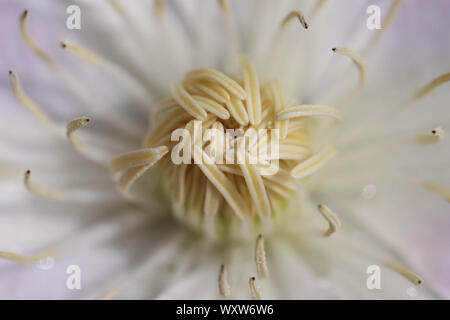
x=73, y=126
x=438, y=132
x=76, y=124
x=63, y=45
x=357, y=60
x=13, y=79
x=26, y=176
x=437, y=135
x=295, y=14
x=332, y=219
x=24, y=14
x=255, y=291
x=39, y=190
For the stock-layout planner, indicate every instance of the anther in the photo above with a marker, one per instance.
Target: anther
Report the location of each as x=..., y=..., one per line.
x=81, y=52
x=404, y=272
x=73, y=126
x=254, y=289
x=295, y=14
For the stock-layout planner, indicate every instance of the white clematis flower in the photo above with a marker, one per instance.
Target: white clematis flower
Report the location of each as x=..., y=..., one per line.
x=88, y=180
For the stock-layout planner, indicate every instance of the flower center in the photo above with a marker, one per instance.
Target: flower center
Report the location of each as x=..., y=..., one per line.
x=229, y=149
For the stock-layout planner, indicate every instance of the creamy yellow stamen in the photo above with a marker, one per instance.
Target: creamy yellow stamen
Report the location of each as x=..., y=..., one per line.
x=238, y=111
x=283, y=125
x=254, y=289
x=134, y=164
x=179, y=189
x=32, y=45
x=332, y=219
x=20, y=258
x=438, y=132
x=404, y=272
x=224, y=285
x=225, y=6
x=295, y=14
x=109, y=67
x=251, y=85
x=434, y=84
x=73, y=126
x=438, y=189
x=164, y=129
x=436, y=135
x=213, y=91
x=306, y=110
x=137, y=158
x=209, y=74
x=314, y=163
x=130, y=176
x=223, y=184
x=232, y=46
x=212, y=199
x=40, y=190
x=26, y=101
x=293, y=152
x=212, y=107
x=187, y=102
x=257, y=190
x=81, y=53
x=159, y=8
x=260, y=258
x=166, y=107
x=357, y=60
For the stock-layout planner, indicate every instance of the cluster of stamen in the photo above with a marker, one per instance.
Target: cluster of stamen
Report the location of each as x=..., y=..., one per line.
x=226, y=190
